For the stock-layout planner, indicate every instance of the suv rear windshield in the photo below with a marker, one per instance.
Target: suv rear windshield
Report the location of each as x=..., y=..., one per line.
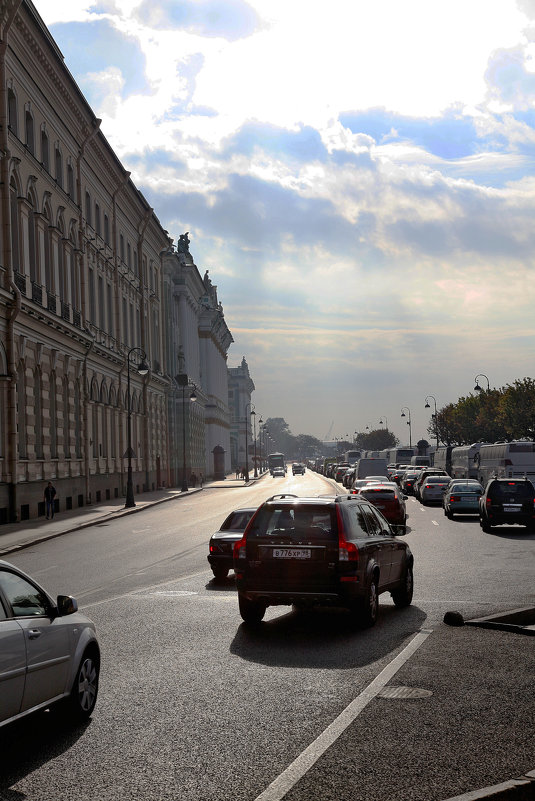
x=300, y=522
x=380, y=492
x=236, y=521
x=508, y=489
x=437, y=480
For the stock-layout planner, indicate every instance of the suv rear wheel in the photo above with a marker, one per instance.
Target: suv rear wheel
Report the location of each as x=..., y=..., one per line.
x=251, y=611
x=403, y=596
x=485, y=525
x=368, y=608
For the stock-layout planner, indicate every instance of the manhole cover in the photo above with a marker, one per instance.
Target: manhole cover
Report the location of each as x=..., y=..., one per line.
x=404, y=692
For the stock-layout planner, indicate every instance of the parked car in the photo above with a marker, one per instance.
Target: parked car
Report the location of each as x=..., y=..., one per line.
x=461, y=498
x=222, y=542
x=433, y=489
x=298, y=469
x=507, y=500
x=278, y=472
x=389, y=499
x=320, y=551
x=49, y=650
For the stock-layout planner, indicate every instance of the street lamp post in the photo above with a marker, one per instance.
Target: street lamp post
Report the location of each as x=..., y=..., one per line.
x=253, y=415
x=408, y=423
x=477, y=388
x=435, y=418
x=142, y=369
x=183, y=381
x=251, y=411
x=385, y=423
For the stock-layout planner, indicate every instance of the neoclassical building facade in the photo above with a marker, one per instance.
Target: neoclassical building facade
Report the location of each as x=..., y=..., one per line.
x=85, y=267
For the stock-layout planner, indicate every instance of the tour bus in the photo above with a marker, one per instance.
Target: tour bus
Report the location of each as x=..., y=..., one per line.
x=506, y=460
x=352, y=456
x=464, y=460
x=443, y=458
x=399, y=455
x=276, y=460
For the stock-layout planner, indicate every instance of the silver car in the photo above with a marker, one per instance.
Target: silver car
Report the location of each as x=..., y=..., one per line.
x=48, y=650
x=433, y=488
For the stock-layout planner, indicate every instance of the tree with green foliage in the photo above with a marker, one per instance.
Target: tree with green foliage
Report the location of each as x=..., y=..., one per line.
x=377, y=440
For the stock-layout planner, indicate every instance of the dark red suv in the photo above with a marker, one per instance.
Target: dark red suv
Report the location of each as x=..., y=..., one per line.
x=320, y=551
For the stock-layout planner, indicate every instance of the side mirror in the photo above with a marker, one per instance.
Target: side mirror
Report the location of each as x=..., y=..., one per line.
x=405, y=497
x=66, y=605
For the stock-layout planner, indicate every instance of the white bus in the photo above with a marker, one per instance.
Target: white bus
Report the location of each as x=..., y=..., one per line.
x=506, y=460
x=464, y=460
x=401, y=455
x=442, y=458
x=353, y=456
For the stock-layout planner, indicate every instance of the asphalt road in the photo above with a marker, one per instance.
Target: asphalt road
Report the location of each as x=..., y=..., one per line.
x=194, y=706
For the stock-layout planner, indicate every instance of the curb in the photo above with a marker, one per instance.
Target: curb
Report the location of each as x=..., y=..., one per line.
x=521, y=789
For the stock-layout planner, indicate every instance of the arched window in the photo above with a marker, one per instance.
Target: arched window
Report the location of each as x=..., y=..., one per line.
x=21, y=413
x=38, y=414
x=70, y=181
x=66, y=420
x=12, y=111
x=88, y=215
x=15, y=225
x=97, y=219
x=30, y=133
x=59, y=167
x=45, y=154
x=53, y=418
x=77, y=421
x=47, y=247
x=32, y=239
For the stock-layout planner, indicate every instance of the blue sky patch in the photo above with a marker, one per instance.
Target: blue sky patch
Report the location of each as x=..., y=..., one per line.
x=229, y=19
x=302, y=146
x=97, y=46
x=448, y=137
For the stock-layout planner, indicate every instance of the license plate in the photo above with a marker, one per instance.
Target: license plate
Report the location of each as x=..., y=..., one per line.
x=291, y=553
x=508, y=507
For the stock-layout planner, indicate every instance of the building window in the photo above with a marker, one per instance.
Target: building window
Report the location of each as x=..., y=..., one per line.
x=110, y=310
x=66, y=420
x=77, y=422
x=38, y=412
x=59, y=168
x=97, y=219
x=128, y=256
x=21, y=413
x=88, y=216
x=45, y=155
x=53, y=418
x=106, y=229
x=101, y=306
x=92, y=305
x=12, y=111
x=30, y=134
x=70, y=181
x=121, y=247
x=125, y=323
x=15, y=229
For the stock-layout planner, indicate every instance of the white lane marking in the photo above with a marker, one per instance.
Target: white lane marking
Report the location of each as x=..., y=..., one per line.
x=434, y=522
x=294, y=772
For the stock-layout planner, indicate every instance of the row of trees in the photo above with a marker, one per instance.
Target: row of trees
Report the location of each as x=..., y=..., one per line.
x=304, y=446
x=491, y=415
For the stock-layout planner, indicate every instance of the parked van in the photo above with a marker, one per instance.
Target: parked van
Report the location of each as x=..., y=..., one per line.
x=421, y=460
x=371, y=467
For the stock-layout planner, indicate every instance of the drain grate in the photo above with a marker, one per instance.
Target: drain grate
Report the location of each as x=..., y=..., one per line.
x=404, y=692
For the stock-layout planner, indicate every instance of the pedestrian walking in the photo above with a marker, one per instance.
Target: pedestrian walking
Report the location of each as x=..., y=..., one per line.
x=49, y=494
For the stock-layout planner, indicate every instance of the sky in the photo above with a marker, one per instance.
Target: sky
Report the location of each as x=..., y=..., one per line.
x=357, y=176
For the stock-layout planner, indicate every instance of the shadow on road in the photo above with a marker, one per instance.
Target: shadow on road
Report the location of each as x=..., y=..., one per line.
x=30, y=743
x=325, y=638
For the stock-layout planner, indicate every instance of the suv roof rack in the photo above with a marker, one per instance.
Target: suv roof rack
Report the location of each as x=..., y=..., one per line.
x=282, y=495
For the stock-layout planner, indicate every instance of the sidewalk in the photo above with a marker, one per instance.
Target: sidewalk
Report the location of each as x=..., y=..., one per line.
x=15, y=536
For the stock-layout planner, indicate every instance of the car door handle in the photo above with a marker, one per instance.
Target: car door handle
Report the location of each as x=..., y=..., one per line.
x=33, y=634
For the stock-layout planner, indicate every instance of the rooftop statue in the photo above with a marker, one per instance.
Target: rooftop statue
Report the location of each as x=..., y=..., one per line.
x=183, y=243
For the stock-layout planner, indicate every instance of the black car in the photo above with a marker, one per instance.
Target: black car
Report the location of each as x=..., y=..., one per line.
x=507, y=500
x=298, y=469
x=320, y=551
x=222, y=542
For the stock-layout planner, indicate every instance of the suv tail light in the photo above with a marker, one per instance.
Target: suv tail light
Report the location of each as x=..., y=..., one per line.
x=239, y=549
x=347, y=551
x=488, y=502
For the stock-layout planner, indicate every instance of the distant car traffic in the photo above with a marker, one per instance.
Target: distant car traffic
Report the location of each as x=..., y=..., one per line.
x=49, y=650
x=321, y=551
x=278, y=472
x=461, y=498
x=222, y=542
x=507, y=500
x=298, y=469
